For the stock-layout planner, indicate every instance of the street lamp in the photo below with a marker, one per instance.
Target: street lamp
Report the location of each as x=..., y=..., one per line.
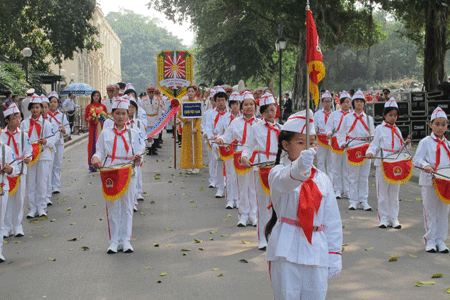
x=233, y=68
x=26, y=52
x=72, y=78
x=280, y=45
x=61, y=75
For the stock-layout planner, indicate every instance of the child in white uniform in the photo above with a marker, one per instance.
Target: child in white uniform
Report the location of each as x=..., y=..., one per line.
x=19, y=142
x=305, y=231
x=321, y=117
x=211, y=158
x=359, y=128
x=387, y=140
x=116, y=146
x=39, y=132
x=45, y=116
x=432, y=154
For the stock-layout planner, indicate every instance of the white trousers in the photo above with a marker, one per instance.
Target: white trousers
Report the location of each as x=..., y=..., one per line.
x=212, y=168
x=387, y=195
x=3, y=203
x=324, y=161
x=359, y=182
x=220, y=179
x=120, y=215
x=138, y=170
x=264, y=214
x=340, y=174
x=435, y=214
x=247, y=194
x=50, y=173
x=232, y=192
x=294, y=281
x=14, y=208
x=58, y=151
x=37, y=177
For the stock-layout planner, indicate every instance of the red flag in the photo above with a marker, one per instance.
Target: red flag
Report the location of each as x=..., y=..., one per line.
x=314, y=59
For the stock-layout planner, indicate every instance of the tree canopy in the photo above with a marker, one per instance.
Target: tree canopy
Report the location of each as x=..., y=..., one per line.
x=49, y=28
x=141, y=40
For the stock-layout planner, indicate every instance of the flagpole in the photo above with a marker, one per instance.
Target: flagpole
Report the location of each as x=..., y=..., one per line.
x=307, y=89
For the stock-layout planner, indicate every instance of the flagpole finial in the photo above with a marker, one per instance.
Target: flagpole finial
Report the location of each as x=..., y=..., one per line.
x=307, y=5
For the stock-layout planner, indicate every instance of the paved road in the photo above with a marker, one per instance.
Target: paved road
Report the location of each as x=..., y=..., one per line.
x=178, y=209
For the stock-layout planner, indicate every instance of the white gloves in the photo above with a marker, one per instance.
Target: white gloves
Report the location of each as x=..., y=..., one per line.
x=333, y=271
x=305, y=160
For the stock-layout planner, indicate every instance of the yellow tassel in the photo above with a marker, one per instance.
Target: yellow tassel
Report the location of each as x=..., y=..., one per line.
x=35, y=159
x=243, y=172
x=122, y=192
x=13, y=191
x=356, y=163
x=264, y=187
x=392, y=181
x=323, y=145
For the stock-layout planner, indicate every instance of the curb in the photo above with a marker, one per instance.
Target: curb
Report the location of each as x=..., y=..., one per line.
x=79, y=139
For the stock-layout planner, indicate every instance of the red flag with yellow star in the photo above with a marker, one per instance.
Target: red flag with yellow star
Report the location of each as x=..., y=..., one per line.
x=314, y=59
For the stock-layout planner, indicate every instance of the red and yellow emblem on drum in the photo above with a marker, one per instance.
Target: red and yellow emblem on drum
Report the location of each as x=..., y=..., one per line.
x=36, y=152
x=397, y=172
x=264, y=178
x=335, y=147
x=442, y=185
x=13, y=185
x=115, y=182
x=323, y=140
x=238, y=166
x=357, y=155
x=226, y=152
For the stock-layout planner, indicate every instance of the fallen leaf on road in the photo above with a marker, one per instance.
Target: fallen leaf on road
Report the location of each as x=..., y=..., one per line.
x=192, y=201
x=419, y=199
x=80, y=236
x=224, y=235
x=163, y=274
x=370, y=248
x=73, y=223
x=412, y=255
x=35, y=221
x=243, y=261
x=69, y=208
x=229, y=215
x=198, y=241
x=202, y=188
x=215, y=269
x=418, y=283
x=95, y=204
x=70, y=249
x=437, y=275
x=72, y=239
x=101, y=219
x=46, y=235
x=84, y=206
x=142, y=213
x=85, y=248
x=167, y=246
x=220, y=275
x=5, y=242
x=201, y=249
x=344, y=244
x=245, y=242
x=52, y=259
x=17, y=242
x=208, y=204
x=168, y=229
x=393, y=258
x=148, y=268
x=155, y=245
x=134, y=239
x=69, y=214
x=184, y=250
x=152, y=202
x=43, y=218
x=214, y=231
x=211, y=239
x=224, y=220
x=192, y=206
x=448, y=290
x=409, y=200
x=39, y=227
x=184, y=254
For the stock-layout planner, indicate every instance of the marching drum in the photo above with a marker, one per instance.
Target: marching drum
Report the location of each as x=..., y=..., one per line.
x=322, y=139
x=356, y=155
x=36, y=152
x=226, y=152
x=441, y=182
x=397, y=168
x=238, y=166
x=115, y=181
x=264, y=178
x=335, y=147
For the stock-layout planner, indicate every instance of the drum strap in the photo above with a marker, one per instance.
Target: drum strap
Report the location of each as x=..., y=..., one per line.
x=2, y=184
x=22, y=139
x=368, y=124
x=131, y=142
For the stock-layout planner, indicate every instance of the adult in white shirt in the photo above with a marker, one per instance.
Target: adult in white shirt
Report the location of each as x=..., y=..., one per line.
x=69, y=106
x=26, y=113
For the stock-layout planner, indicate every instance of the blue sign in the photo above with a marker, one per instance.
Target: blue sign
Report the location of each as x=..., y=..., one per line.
x=191, y=110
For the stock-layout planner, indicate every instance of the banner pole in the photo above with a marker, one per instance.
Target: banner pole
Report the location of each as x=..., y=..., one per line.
x=193, y=146
x=175, y=134
x=307, y=88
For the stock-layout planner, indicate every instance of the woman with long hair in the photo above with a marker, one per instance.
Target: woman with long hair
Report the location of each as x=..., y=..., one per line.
x=95, y=115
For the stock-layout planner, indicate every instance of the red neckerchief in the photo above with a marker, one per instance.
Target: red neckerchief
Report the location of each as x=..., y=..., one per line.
x=11, y=136
x=115, y=142
x=38, y=127
x=327, y=114
x=342, y=117
x=438, y=150
x=232, y=118
x=219, y=113
x=308, y=204
x=360, y=118
x=269, y=128
x=394, y=132
x=53, y=116
x=244, y=135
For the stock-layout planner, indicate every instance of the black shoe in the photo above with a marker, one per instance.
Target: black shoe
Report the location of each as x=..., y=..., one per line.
x=159, y=147
x=211, y=186
x=382, y=226
x=154, y=152
x=338, y=197
x=240, y=225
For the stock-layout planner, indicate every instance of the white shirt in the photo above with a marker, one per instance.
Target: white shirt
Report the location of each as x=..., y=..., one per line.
x=383, y=140
x=358, y=131
x=319, y=121
x=69, y=105
x=211, y=128
x=108, y=102
x=23, y=149
x=204, y=118
x=336, y=118
x=236, y=131
x=426, y=156
x=257, y=139
x=226, y=121
x=152, y=110
x=46, y=132
x=25, y=111
x=289, y=241
x=57, y=121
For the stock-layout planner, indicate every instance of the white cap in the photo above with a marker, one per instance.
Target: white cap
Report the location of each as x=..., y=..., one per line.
x=12, y=109
x=30, y=91
x=44, y=99
x=212, y=92
x=391, y=103
x=326, y=94
x=297, y=123
x=247, y=95
x=53, y=94
x=131, y=98
x=111, y=87
x=438, y=113
x=344, y=95
x=220, y=89
x=359, y=95
x=35, y=99
x=151, y=87
x=121, y=103
x=266, y=99
x=235, y=96
x=129, y=86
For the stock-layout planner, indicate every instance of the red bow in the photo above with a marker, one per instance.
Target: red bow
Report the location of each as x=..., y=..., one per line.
x=34, y=123
x=53, y=116
x=244, y=135
x=308, y=204
x=11, y=136
x=219, y=113
x=277, y=131
x=394, y=132
x=115, y=142
x=327, y=114
x=360, y=118
x=438, y=150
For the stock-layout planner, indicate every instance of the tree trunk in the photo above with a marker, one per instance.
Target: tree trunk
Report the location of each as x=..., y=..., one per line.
x=435, y=45
x=299, y=88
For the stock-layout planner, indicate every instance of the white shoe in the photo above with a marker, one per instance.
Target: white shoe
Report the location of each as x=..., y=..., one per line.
x=2, y=258
x=55, y=191
x=352, y=207
x=42, y=213
x=7, y=233
x=253, y=221
x=31, y=214
x=262, y=244
x=235, y=204
x=337, y=195
x=127, y=248
x=139, y=197
x=396, y=224
x=219, y=193
x=229, y=204
x=441, y=246
x=366, y=206
x=430, y=247
x=188, y=171
x=19, y=233
x=383, y=224
x=49, y=202
x=242, y=221
x=113, y=248
x=195, y=171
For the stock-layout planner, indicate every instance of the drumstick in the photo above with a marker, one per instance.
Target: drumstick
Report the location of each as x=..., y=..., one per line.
x=267, y=163
x=3, y=169
x=434, y=173
x=227, y=144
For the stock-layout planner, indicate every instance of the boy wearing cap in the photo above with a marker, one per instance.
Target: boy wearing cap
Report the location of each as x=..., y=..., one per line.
x=151, y=106
x=109, y=99
x=211, y=159
x=433, y=154
x=321, y=117
x=20, y=144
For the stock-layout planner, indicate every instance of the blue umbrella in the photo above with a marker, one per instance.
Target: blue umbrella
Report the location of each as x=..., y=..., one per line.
x=77, y=89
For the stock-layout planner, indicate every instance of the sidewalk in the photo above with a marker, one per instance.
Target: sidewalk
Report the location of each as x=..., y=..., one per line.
x=75, y=138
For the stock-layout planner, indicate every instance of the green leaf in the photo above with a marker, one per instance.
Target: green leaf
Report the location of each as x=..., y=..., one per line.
x=215, y=269
x=437, y=275
x=224, y=235
x=35, y=221
x=69, y=208
x=393, y=258
x=220, y=275
x=419, y=199
x=369, y=249
x=52, y=259
x=148, y=268
x=202, y=188
x=184, y=250
x=198, y=241
x=413, y=256
x=224, y=220
x=152, y=202
x=163, y=274
x=245, y=242
x=72, y=239
x=447, y=290
x=155, y=245
x=85, y=248
x=168, y=229
x=46, y=235
x=214, y=231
